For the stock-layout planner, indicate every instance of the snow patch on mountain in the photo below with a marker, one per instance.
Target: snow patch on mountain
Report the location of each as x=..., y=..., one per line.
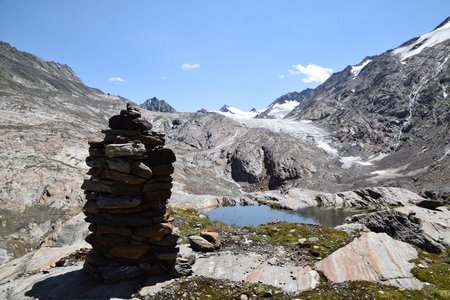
x=234, y=112
x=430, y=39
x=357, y=69
x=280, y=110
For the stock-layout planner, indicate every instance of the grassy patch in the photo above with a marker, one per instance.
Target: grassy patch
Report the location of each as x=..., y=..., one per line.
x=321, y=240
x=435, y=270
x=208, y=288
x=369, y=290
x=190, y=222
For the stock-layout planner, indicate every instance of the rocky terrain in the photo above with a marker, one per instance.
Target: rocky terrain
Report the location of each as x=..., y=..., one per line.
x=373, y=137
x=154, y=104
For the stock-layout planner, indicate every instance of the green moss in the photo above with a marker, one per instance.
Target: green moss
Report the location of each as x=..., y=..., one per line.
x=437, y=272
x=323, y=240
x=370, y=290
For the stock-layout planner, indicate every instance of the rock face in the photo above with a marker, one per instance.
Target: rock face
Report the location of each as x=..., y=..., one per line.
x=276, y=160
x=285, y=104
x=372, y=257
x=154, y=104
x=376, y=197
x=126, y=201
x=404, y=227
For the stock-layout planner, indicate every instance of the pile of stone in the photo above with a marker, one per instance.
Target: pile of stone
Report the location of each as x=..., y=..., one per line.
x=126, y=201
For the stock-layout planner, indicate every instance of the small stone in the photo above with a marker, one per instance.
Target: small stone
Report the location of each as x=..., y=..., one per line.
x=128, y=220
x=129, y=122
x=302, y=241
x=95, y=162
x=162, y=170
x=151, y=140
x=155, y=186
x=313, y=239
x=113, y=202
x=155, y=233
x=90, y=207
x=122, y=177
x=212, y=237
x=160, y=156
x=97, y=186
x=140, y=169
x=128, y=149
x=200, y=244
x=114, y=230
x=243, y=297
x=129, y=251
x=120, y=165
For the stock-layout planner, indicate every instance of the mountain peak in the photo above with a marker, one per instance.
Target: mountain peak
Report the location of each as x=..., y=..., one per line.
x=225, y=108
x=154, y=104
x=445, y=22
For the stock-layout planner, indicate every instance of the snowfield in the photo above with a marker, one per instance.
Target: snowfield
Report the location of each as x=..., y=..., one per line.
x=430, y=39
x=357, y=69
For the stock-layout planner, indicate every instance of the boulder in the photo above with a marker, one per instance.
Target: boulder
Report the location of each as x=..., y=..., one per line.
x=199, y=243
x=372, y=257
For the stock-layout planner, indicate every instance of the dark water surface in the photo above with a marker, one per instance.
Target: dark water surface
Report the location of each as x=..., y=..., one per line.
x=263, y=214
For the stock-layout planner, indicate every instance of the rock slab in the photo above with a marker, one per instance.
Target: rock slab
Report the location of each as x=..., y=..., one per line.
x=372, y=257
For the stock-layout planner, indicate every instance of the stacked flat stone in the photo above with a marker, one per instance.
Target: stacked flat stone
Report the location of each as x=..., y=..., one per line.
x=126, y=201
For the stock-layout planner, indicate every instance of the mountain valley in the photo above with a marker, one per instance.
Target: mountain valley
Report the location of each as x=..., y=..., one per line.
x=373, y=137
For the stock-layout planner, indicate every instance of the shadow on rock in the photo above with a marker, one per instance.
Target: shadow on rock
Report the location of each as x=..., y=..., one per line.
x=80, y=285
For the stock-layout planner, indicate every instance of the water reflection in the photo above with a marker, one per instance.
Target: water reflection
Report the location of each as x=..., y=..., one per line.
x=263, y=214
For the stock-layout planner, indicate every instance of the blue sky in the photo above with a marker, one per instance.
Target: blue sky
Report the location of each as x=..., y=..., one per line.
x=203, y=54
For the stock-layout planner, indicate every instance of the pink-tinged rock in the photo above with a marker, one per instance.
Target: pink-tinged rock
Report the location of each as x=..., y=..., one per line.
x=372, y=257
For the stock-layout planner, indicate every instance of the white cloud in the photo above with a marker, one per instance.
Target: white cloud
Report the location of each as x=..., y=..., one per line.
x=116, y=79
x=281, y=76
x=312, y=72
x=186, y=67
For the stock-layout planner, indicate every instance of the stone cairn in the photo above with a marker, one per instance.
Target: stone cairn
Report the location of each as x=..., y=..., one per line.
x=126, y=202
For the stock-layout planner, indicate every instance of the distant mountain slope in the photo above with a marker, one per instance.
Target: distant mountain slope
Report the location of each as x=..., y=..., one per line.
x=46, y=117
x=154, y=104
x=284, y=104
x=396, y=102
x=390, y=99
